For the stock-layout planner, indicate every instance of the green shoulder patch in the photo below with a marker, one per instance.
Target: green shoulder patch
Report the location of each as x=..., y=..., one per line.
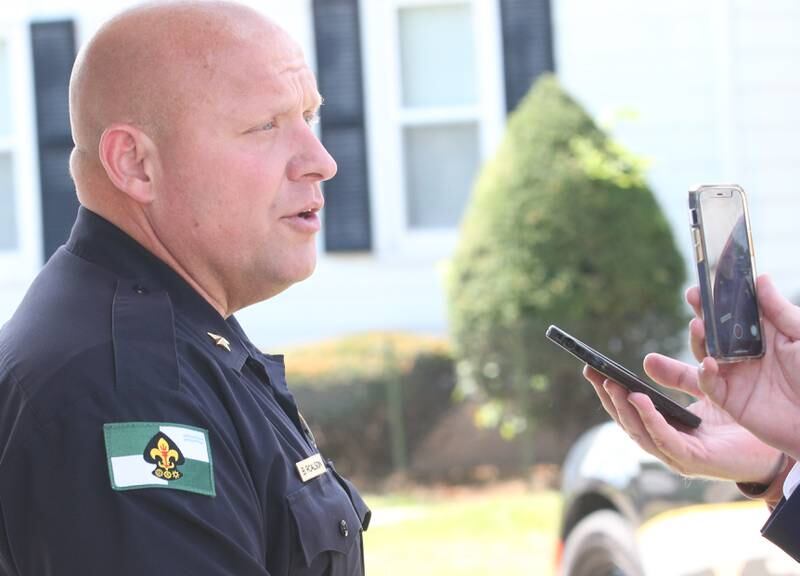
x=159, y=455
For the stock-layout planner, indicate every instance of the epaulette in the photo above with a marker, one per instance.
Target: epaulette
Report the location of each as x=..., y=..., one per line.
x=143, y=335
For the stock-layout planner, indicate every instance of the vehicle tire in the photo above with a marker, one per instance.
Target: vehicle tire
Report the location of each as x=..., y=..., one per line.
x=602, y=544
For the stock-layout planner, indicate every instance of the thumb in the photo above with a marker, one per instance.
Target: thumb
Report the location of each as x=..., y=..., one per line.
x=784, y=315
x=711, y=383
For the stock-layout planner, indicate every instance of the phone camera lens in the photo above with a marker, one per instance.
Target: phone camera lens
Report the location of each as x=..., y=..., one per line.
x=569, y=343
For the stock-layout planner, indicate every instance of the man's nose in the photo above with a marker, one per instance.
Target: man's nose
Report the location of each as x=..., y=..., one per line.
x=312, y=161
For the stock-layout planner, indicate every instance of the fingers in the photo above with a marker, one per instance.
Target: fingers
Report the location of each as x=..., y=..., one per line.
x=665, y=441
x=693, y=298
x=672, y=373
x=777, y=309
x=633, y=409
x=597, y=380
x=697, y=332
x=697, y=339
x=636, y=414
x=593, y=375
x=712, y=384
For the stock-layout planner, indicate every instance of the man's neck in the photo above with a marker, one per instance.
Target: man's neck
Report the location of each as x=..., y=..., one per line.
x=133, y=221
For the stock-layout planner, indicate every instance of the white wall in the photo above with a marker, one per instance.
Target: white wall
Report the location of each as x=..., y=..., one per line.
x=400, y=284
x=716, y=85
x=388, y=289
x=347, y=295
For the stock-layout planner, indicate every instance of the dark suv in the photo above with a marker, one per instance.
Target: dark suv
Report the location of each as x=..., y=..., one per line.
x=626, y=514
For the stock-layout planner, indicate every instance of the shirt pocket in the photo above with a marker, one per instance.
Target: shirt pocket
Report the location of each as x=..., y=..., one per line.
x=363, y=511
x=328, y=529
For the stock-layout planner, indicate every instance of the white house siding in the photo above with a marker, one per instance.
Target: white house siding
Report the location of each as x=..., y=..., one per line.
x=400, y=284
x=716, y=86
x=18, y=267
x=347, y=295
x=397, y=286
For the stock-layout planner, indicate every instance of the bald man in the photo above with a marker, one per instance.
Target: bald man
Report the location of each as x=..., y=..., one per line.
x=141, y=432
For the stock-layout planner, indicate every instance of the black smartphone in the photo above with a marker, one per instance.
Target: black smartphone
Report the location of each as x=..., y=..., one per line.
x=671, y=410
x=723, y=250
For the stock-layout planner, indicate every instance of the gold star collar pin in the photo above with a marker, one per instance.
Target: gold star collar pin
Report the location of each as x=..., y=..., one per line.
x=220, y=341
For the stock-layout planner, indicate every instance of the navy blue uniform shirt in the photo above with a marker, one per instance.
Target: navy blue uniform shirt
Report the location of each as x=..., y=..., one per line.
x=142, y=433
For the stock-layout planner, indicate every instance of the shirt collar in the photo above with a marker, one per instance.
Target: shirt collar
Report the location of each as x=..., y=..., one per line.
x=97, y=240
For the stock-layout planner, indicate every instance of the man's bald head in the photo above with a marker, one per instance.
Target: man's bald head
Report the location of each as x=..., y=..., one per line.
x=193, y=134
x=148, y=67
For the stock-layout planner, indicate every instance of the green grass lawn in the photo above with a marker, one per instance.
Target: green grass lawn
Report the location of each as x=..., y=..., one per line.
x=508, y=531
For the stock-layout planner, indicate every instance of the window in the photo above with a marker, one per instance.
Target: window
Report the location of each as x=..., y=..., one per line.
x=437, y=56
x=440, y=164
x=439, y=112
x=20, y=227
x=8, y=210
x=435, y=111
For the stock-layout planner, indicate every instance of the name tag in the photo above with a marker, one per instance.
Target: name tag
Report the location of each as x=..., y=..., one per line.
x=311, y=467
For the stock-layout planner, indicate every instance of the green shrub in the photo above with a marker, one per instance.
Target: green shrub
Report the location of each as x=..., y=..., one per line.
x=343, y=387
x=561, y=229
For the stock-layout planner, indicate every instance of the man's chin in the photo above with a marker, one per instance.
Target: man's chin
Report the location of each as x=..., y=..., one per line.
x=298, y=273
x=306, y=275
x=306, y=266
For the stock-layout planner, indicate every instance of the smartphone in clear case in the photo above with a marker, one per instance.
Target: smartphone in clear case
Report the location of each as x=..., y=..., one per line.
x=723, y=250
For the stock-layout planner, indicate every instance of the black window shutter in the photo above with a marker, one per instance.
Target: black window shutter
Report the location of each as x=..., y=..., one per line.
x=347, y=207
x=53, y=48
x=527, y=45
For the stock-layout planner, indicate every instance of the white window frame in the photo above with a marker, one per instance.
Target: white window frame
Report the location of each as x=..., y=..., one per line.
x=386, y=119
x=19, y=265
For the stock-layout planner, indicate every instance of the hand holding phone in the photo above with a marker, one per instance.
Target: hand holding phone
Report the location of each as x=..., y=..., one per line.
x=723, y=251
x=671, y=410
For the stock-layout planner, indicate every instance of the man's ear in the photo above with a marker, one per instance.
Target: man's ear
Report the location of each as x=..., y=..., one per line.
x=127, y=154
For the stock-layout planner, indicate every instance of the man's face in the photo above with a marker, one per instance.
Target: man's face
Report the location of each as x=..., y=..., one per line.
x=240, y=167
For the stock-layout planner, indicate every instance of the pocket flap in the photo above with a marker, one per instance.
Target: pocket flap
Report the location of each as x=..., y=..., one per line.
x=325, y=518
x=363, y=511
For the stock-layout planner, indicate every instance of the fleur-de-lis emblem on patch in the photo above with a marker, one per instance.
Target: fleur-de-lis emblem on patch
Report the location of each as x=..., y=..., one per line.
x=166, y=455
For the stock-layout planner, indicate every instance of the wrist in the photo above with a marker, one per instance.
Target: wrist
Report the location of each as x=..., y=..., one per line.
x=770, y=491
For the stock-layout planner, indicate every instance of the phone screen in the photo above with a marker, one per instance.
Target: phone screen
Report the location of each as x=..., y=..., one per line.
x=725, y=263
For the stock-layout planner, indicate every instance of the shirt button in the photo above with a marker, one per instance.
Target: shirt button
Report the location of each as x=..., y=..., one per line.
x=139, y=289
x=343, y=530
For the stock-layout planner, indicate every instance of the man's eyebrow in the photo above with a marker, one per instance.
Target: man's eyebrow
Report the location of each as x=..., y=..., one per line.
x=311, y=103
